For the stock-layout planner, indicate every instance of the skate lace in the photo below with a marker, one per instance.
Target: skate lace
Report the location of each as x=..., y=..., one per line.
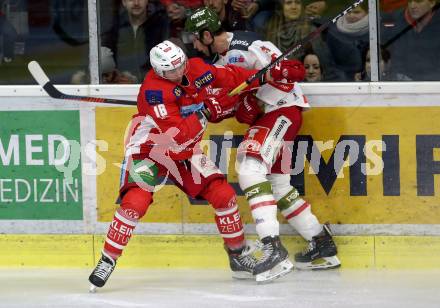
x=247, y=258
x=310, y=247
x=103, y=269
x=248, y=261
x=267, y=251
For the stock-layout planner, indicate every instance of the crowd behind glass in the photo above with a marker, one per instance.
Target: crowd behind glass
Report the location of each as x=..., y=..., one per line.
x=55, y=33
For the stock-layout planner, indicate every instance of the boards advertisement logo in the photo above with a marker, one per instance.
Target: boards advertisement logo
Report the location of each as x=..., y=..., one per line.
x=35, y=148
x=369, y=165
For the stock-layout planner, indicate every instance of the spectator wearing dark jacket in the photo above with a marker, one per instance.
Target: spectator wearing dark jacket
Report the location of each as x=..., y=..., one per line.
x=289, y=25
x=136, y=32
x=348, y=40
x=8, y=35
x=230, y=18
x=412, y=36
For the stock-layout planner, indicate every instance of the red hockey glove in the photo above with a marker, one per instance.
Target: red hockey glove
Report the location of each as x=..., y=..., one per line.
x=248, y=110
x=291, y=70
x=220, y=106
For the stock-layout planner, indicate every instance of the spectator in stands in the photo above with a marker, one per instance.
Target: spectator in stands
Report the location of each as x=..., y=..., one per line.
x=315, y=8
x=135, y=34
x=348, y=40
x=8, y=37
x=289, y=25
x=231, y=19
x=316, y=70
x=177, y=11
x=385, y=69
x=412, y=36
x=109, y=73
x=391, y=5
x=312, y=65
x=255, y=12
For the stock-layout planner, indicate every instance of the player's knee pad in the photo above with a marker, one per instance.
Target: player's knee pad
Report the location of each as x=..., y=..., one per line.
x=251, y=171
x=220, y=194
x=135, y=202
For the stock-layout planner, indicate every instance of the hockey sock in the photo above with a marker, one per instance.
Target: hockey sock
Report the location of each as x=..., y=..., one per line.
x=299, y=215
x=258, y=191
x=119, y=233
x=230, y=226
x=264, y=209
x=222, y=197
x=134, y=205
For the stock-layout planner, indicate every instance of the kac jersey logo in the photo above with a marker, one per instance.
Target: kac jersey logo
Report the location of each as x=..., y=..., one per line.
x=177, y=91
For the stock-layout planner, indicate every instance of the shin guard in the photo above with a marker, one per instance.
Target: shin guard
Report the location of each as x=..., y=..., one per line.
x=258, y=191
x=230, y=226
x=298, y=213
x=133, y=207
x=222, y=198
x=119, y=233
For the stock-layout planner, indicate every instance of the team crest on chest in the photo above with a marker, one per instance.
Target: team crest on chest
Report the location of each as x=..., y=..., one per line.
x=177, y=91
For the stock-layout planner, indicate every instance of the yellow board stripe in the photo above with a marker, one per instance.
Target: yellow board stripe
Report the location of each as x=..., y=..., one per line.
x=194, y=251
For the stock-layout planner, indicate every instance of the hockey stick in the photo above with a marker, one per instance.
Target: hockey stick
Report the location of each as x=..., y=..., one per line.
x=42, y=79
x=293, y=49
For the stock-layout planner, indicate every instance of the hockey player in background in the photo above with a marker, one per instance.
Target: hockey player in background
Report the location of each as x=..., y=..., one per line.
x=173, y=113
x=273, y=112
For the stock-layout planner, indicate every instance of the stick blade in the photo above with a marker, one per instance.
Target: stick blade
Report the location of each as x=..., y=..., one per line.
x=38, y=73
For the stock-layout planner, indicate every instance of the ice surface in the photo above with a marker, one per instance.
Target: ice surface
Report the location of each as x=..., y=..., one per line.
x=216, y=288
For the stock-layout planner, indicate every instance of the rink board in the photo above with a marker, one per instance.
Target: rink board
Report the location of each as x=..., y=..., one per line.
x=193, y=251
x=392, y=178
x=402, y=200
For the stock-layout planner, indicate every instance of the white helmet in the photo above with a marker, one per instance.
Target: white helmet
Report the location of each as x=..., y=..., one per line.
x=166, y=56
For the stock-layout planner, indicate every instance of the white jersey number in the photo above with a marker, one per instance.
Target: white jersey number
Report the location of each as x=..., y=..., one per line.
x=160, y=111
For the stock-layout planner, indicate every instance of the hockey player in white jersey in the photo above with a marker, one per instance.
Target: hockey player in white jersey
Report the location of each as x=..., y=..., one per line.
x=274, y=114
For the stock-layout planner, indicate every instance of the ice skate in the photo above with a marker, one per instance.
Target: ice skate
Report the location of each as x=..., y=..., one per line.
x=274, y=263
x=242, y=262
x=102, y=272
x=320, y=253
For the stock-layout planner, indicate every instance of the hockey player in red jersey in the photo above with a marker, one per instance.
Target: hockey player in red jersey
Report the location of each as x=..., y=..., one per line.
x=173, y=111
